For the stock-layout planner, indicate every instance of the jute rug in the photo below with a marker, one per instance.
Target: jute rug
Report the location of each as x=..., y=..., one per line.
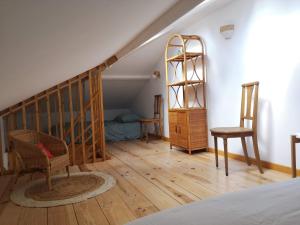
x=78, y=187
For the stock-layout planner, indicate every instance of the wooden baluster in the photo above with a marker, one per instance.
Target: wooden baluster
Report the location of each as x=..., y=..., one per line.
x=10, y=125
x=63, y=112
x=101, y=117
x=61, y=129
x=96, y=109
x=82, y=119
x=55, y=110
x=92, y=115
x=24, y=119
x=96, y=112
x=37, y=114
x=48, y=113
x=72, y=123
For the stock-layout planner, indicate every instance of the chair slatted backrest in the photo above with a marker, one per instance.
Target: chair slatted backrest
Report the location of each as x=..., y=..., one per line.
x=249, y=104
x=157, y=106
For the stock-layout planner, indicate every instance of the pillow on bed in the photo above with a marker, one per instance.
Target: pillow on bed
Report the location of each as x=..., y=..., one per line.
x=127, y=118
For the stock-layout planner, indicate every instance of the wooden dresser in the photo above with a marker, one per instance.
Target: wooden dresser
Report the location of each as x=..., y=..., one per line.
x=186, y=75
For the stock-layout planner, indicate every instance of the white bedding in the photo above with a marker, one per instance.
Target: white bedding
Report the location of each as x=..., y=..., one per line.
x=274, y=204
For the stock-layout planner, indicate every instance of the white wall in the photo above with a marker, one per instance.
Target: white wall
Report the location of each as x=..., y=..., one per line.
x=110, y=114
x=144, y=102
x=265, y=47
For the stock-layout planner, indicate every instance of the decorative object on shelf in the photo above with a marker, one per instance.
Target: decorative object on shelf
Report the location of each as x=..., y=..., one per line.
x=185, y=79
x=248, y=113
x=227, y=31
x=156, y=74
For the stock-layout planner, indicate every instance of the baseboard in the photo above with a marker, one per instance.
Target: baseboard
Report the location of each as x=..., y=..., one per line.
x=265, y=164
x=165, y=138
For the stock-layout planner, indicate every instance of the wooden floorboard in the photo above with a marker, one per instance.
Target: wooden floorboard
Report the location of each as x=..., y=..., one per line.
x=135, y=200
x=150, y=177
x=90, y=213
x=62, y=215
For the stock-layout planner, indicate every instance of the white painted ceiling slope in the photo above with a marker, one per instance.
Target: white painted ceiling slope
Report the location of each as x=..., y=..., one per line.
x=126, y=78
x=43, y=43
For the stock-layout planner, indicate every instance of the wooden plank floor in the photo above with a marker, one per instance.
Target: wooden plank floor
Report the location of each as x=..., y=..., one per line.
x=150, y=177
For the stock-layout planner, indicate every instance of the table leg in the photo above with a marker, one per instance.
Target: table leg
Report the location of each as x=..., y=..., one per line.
x=225, y=155
x=293, y=154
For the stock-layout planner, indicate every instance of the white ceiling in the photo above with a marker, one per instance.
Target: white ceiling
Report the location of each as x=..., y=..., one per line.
x=46, y=42
x=142, y=61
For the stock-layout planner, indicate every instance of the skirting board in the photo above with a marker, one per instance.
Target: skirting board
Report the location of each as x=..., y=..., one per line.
x=265, y=164
x=165, y=138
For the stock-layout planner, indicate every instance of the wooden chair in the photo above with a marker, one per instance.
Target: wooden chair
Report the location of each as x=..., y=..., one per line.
x=248, y=112
x=31, y=157
x=156, y=120
x=294, y=140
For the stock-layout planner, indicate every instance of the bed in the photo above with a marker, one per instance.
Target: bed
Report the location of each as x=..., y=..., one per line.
x=118, y=131
x=125, y=126
x=274, y=204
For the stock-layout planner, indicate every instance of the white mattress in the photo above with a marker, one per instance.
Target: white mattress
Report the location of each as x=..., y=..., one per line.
x=275, y=204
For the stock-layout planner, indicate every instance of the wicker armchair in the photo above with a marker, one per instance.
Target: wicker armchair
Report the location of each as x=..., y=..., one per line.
x=31, y=157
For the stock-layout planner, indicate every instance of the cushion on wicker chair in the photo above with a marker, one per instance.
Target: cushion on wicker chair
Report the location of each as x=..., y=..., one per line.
x=43, y=148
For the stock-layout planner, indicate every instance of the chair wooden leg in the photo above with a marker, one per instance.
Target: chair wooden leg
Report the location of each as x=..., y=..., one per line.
x=48, y=178
x=293, y=154
x=216, y=151
x=68, y=170
x=225, y=155
x=245, y=150
x=256, y=152
x=17, y=168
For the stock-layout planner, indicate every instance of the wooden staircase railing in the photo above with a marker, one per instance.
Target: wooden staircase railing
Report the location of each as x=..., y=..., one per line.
x=72, y=110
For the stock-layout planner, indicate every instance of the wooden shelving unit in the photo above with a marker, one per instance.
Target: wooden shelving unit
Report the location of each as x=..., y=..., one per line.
x=186, y=79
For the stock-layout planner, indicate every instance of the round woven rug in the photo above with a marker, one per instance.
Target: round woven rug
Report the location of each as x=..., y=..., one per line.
x=78, y=187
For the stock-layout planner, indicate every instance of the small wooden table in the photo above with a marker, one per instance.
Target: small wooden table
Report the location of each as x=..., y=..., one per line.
x=294, y=140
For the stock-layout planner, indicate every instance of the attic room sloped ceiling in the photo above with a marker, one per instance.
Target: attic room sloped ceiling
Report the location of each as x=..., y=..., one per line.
x=46, y=42
x=127, y=78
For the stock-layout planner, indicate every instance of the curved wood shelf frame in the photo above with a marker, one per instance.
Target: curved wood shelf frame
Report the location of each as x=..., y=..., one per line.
x=180, y=45
x=187, y=111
